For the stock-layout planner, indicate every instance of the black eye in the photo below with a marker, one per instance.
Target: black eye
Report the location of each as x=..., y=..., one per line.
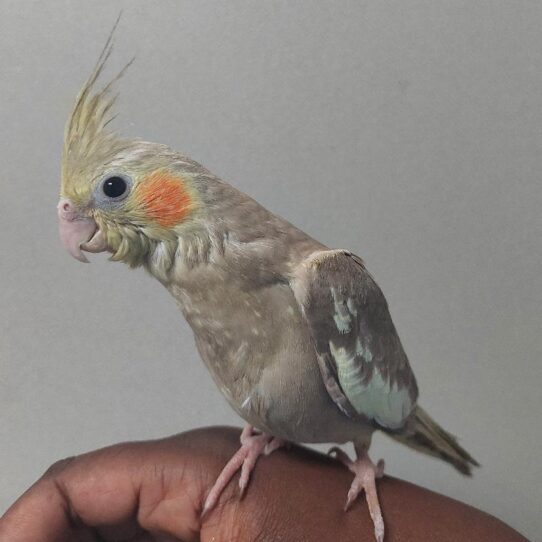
x=114, y=187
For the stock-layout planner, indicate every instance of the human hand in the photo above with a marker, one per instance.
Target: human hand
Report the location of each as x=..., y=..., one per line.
x=154, y=491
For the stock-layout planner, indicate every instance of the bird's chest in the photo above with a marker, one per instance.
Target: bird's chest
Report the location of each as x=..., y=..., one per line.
x=244, y=335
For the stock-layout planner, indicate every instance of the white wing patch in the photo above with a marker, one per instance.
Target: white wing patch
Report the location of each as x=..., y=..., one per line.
x=342, y=316
x=378, y=400
x=365, y=353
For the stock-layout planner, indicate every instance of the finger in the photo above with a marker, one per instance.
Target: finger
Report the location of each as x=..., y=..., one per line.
x=41, y=514
x=116, y=493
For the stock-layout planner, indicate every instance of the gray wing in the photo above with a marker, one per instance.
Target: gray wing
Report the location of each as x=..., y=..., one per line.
x=362, y=361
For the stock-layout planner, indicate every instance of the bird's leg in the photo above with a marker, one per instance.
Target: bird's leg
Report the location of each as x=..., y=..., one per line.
x=365, y=474
x=252, y=446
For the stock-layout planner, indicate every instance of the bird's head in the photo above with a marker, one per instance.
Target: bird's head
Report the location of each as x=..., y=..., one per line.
x=119, y=195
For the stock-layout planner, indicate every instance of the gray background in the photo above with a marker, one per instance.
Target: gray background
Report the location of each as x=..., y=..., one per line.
x=407, y=131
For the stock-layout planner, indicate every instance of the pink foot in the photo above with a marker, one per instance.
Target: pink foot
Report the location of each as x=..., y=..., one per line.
x=252, y=446
x=365, y=474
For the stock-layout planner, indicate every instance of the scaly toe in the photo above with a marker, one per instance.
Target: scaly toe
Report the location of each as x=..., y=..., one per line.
x=252, y=446
x=379, y=529
x=232, y=466
x=365, y=473
x=275, y=444
x=255, y=448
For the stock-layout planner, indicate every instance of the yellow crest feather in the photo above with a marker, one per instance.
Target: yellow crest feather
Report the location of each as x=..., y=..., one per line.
x=88, y=141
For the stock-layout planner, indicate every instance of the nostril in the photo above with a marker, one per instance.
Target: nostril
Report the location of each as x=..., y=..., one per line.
x=66, y=209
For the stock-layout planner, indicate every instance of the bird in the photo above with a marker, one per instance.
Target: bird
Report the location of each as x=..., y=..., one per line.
x=297, y=336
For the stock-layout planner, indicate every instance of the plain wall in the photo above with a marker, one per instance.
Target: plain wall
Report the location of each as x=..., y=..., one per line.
x=409, y=132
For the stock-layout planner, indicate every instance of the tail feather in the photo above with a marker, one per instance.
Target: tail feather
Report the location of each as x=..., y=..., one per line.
x=426, y=436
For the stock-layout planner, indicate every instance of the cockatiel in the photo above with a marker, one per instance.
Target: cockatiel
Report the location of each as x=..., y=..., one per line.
x=297, y=337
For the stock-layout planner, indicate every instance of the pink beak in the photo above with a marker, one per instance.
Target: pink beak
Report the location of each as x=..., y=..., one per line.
x=78, y=232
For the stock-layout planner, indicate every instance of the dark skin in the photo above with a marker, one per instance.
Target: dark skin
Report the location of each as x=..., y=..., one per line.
x=154, y=491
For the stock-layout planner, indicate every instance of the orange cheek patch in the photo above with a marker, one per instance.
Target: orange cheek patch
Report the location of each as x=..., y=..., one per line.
x=165, y=199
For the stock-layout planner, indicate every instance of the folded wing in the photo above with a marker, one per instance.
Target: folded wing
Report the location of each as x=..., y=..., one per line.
x=362, y=361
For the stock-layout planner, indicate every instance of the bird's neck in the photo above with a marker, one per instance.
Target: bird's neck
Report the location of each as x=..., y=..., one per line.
x=237, y=238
